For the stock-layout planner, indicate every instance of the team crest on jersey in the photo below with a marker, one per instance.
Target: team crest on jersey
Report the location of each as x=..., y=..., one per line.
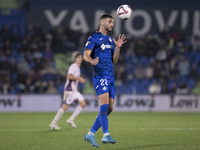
x=104, y=88
x=110, y=39
x=87, y=43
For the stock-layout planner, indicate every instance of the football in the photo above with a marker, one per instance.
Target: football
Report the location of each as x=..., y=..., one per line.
x=124, y=12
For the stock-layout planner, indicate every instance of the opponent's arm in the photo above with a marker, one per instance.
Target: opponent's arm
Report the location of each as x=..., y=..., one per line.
x=87, y=57
x=118, y=44
x=71, y=77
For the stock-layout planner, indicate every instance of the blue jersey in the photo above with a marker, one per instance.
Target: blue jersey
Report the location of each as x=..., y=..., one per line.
x=103, y=47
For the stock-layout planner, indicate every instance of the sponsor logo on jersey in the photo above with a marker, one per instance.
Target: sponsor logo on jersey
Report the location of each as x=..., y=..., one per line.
x=103, y=46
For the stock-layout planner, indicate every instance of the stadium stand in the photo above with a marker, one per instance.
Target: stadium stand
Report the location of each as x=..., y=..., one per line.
x=178, y=65
x=29, y=61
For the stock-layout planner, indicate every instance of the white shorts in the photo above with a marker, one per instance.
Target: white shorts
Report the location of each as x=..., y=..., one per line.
x=70, y=97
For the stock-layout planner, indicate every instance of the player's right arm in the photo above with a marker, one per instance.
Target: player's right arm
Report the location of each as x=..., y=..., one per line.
x=89, y=46
x=73, y=78
x=87, y=57
x=71, y=73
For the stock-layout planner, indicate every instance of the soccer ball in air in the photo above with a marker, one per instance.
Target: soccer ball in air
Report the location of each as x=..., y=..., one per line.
x=124, y=12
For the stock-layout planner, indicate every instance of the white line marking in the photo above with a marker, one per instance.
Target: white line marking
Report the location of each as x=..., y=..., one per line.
x=22, y=130
x=167, y=129
x=129, y=129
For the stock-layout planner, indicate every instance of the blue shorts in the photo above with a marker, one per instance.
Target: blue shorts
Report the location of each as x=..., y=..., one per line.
x=104, y=85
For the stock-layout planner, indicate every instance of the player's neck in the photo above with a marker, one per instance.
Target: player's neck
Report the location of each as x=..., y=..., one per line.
x=104, y=32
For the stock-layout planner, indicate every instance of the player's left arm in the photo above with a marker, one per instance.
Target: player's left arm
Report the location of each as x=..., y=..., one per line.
x=118, y=44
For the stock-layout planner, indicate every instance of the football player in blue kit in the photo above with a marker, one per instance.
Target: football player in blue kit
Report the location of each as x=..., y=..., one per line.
x=102, y=51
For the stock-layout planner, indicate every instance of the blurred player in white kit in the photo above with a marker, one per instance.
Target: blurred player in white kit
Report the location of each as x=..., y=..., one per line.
x=71, y=94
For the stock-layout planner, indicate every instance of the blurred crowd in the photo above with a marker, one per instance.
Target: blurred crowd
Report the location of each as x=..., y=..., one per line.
x=164, y=63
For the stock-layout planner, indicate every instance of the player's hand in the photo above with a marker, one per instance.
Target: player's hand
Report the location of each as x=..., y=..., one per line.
x=120, y=41
x=95, y=61
x=81, y=80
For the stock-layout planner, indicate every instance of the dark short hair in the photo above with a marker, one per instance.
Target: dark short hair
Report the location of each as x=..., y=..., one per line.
x=77, y=54
x=105, y=16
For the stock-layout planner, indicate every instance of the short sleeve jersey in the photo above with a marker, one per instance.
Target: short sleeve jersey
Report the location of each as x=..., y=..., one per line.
x=103, y=47
x=71, y=85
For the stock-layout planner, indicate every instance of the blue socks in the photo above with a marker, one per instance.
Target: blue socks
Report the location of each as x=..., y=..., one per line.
x=101, y=119
x=96, y=125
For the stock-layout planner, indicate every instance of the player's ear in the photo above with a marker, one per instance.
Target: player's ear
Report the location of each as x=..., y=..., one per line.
x=102, y=22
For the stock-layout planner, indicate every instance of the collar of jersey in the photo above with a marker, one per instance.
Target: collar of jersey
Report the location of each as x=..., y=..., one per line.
x=101, y=33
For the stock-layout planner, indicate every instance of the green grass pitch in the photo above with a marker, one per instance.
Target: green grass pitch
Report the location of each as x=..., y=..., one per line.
x=131, y=130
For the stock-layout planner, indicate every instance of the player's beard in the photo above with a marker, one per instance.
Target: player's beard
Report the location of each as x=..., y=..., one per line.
x=108, y=29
